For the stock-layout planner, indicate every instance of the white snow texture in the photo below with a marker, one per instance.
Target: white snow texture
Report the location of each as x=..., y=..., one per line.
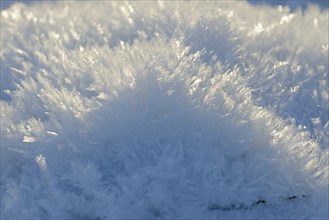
x=161, y=110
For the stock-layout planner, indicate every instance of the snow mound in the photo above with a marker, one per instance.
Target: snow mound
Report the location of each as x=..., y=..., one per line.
x=146, y=110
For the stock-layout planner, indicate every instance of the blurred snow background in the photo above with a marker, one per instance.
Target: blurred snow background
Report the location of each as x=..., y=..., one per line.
x=164, y=110
x=293, y=4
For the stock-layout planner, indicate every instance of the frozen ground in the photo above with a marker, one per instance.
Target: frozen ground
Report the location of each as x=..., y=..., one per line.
x=115, y=110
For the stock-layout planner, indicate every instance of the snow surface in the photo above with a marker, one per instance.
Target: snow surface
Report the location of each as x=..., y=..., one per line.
x=143, y=110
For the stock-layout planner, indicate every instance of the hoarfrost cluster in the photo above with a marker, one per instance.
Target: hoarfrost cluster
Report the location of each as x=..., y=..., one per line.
x=113, y=110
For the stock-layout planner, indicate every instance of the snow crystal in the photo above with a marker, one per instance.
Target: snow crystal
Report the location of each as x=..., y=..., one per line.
x=117, y=110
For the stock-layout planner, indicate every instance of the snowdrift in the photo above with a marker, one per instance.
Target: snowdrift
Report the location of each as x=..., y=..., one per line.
x=144, y=110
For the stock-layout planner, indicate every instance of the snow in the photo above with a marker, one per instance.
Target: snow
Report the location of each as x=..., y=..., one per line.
x=147, y=110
